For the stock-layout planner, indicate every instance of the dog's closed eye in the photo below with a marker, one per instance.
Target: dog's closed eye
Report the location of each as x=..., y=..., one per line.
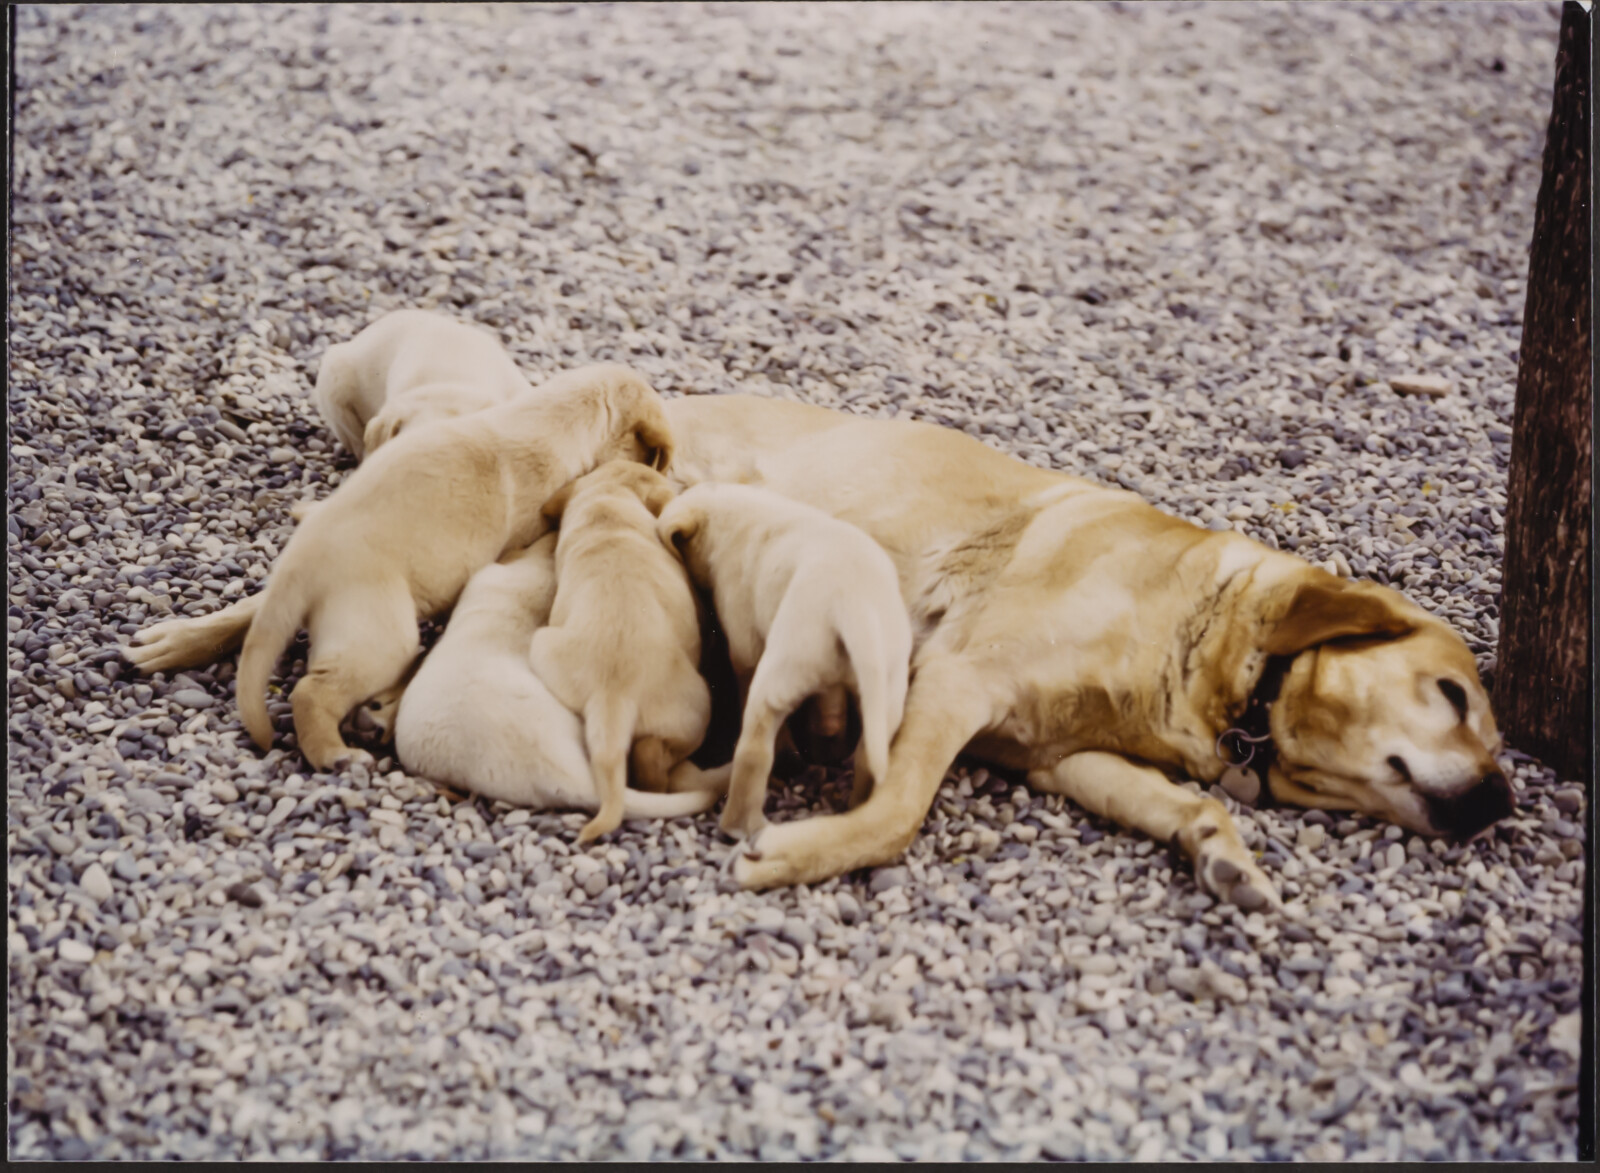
x=1456, y=695
x=1398, y=765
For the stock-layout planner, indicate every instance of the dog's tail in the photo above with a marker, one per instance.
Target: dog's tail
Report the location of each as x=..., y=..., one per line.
x=880, y=683
x=282, y=610
x=608, y=721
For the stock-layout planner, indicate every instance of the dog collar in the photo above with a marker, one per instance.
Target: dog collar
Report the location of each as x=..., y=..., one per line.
x=1247, y=745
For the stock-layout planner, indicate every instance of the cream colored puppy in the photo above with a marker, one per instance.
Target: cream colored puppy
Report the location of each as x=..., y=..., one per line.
x=810, y=605
x=478, y=718
x=401, y=536
x=407, y=367
x=623, y=645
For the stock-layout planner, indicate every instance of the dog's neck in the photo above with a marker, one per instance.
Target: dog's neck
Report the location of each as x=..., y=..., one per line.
x=1225, y=667
x=1247, y=746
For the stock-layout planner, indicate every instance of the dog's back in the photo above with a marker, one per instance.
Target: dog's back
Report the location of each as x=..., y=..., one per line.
x=403, y=350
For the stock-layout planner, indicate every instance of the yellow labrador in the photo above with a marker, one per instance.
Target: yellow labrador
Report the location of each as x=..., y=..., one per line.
x=401, y=536
x=1106, y=648
x=408, y=367
x=623, y=645
x=808, y=603
x=477, y=717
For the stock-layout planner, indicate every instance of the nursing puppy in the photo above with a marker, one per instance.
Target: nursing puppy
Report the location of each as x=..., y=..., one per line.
x=623, y=645
x=477, y=717
x=810, y=605
x=408, y=367
x=401, y=536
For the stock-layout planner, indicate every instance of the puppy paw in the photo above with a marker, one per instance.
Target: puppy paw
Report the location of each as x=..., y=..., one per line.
x=760, y=862
x=163, y=646
x=341, y=759
x=375, y=718
x=596, y=827
x=741, y=824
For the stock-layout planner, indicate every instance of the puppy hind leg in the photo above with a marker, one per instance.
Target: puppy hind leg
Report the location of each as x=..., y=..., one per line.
x=775, y=692
x=948, y=704
x=360, y=645
x=608, y=723
x=651, y=761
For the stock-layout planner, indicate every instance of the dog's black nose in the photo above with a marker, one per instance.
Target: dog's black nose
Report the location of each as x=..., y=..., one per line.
x=1461, y=816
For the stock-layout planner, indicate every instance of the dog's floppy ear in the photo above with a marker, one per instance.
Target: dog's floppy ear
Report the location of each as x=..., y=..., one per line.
x=677, y=526
x=656, y=442
x=557, y=504
x=1324, y=607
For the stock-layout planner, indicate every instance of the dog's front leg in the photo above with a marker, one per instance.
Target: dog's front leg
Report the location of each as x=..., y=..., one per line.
x=189, y=643
x=947, y=706
x=1145, y=799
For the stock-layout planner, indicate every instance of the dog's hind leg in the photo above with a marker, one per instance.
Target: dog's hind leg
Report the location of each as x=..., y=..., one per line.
x=361, y=643
x=949, y=703
x=1145, y=799
x=189, y=643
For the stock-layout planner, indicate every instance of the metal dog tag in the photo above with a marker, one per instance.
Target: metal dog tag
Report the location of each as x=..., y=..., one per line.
x=1241, y=784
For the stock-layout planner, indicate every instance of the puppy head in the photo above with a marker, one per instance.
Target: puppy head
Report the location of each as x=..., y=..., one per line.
x=642, y=433
x=614, y=476
x=641, y=480
x=1382, y=712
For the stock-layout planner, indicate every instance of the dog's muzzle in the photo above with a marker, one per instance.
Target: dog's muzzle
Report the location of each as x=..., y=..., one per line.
x=1463, y=815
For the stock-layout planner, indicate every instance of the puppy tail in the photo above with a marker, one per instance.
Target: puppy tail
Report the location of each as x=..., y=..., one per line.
x=881, y=695
x=274, y=626
x=641, y=804
x=608, y=722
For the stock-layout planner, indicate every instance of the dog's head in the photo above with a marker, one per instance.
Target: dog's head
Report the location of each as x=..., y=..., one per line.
x=1381, y=711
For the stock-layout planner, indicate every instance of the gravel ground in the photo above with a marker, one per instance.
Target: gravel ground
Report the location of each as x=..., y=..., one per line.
x=1182, y=249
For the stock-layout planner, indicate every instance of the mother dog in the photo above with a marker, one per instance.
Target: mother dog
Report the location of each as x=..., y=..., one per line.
x=1080, y=634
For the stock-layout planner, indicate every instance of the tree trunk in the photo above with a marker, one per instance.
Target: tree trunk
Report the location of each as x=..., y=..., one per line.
x=1543, y=684
x=1543, y=696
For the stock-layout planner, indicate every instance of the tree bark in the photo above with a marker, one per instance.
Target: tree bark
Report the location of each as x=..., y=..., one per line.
x=1542, y=689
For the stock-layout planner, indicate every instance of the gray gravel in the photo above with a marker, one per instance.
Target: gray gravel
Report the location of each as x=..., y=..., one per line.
x=1183, y=249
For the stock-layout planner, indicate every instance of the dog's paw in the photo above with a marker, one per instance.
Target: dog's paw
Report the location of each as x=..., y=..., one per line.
x=1237, y=882
x=1222, y=864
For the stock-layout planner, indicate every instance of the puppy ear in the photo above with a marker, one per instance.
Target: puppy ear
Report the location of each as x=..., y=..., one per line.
x=379, y=429
x=557, y=504
x=1325, y=607
x=656, y=442
x=658, y=497
x=677, y=526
